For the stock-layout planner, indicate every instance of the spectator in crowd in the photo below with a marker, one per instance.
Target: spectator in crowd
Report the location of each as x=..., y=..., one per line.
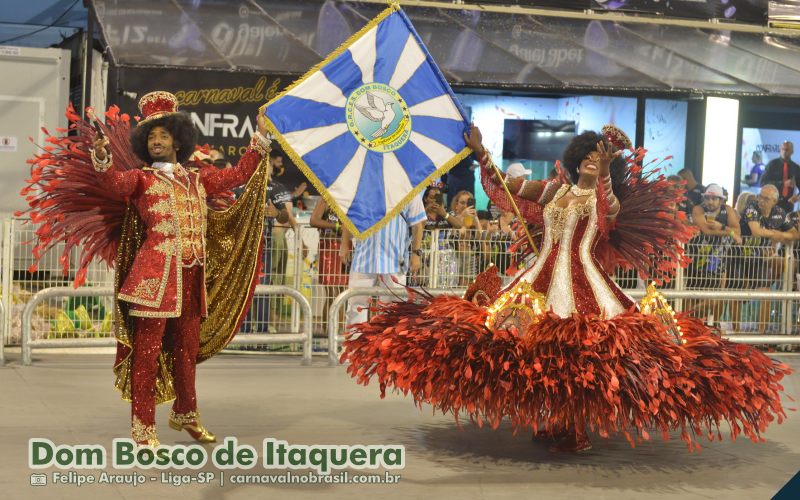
x=764, y=218
x=484, y=217
x=719, y=228
x=276, y=212
x=462, y=208
x=332, y=272
x=219, y=159
x=694, y=190
x=438, y=218
x=769, y=225
x=280, y=229
x=714, y=217
x=501, y=243
x=741, y=202
x=517, y=169
x=493, y=209
x=737, y=272
x=383, y=258
x=784, y=174
x=756, y=171
x=437, y=215
x=794, y=221
x=685, y=205
x=506, y=222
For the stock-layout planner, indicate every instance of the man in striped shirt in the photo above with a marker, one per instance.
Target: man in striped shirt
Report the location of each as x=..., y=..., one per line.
x=378, y=259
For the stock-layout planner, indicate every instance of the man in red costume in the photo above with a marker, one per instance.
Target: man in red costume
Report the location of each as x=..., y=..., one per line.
x=162, y=295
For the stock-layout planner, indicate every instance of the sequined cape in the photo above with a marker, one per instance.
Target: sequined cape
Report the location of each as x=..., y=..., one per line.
x=233, y=246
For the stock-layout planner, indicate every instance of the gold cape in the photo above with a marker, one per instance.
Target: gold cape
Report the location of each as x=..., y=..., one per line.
x=233, y=246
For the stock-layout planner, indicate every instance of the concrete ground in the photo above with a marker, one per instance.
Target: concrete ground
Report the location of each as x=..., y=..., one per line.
x=69, y=399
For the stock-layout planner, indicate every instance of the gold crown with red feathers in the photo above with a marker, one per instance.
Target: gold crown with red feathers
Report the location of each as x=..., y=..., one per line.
x=616, y=136
x=156, y=105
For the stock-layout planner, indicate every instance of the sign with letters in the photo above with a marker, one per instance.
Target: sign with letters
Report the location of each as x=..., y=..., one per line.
x=223, y=105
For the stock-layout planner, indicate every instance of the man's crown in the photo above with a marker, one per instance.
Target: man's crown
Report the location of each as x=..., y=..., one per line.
x=157, y=105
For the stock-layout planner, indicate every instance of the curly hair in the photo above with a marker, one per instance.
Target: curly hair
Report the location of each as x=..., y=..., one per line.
x=583, y=144
x=180, y=127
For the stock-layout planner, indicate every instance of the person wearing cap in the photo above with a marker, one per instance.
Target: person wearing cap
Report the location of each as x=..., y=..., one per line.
x=517, y=169
x=784, y=174
x=714, y=217
x=161, y=279
x=719, y=227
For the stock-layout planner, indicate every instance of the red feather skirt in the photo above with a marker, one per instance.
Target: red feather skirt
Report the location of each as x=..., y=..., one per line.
x=622, y=375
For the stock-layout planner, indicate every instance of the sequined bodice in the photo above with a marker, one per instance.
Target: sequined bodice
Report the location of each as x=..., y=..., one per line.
x=566, y=271
x=556, y=217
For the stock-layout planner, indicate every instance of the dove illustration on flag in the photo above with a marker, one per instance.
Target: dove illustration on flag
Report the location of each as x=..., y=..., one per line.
x=372, y=124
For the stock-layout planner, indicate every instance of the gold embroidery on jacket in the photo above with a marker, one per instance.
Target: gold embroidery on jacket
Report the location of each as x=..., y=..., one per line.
x=161, y=207
x=161, y=289
x=190, y=219
x=159, y=188
x=167, y=247
x=165, y=227
x=147, y=288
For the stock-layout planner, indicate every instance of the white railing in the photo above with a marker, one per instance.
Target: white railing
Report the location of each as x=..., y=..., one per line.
x=303, y=338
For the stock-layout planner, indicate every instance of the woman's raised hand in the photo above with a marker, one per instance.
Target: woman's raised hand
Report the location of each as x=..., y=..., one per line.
x=605, y=156
x=99, y=146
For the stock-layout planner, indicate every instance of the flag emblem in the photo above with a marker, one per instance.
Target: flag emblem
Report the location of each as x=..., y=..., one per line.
x=378, y=117
x=373, y=124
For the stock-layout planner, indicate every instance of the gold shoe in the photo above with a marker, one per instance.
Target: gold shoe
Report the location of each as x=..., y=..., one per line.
x=190, y=422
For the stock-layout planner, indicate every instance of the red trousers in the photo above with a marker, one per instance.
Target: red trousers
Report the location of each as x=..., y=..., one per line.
x=181, y=337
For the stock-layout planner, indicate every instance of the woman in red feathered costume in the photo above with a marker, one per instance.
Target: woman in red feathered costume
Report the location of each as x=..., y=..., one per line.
x=562, y=349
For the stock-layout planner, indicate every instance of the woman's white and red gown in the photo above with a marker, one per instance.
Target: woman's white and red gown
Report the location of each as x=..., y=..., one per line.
x=589, y=357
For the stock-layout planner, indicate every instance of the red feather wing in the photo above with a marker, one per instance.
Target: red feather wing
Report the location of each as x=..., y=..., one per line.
x=66, y=199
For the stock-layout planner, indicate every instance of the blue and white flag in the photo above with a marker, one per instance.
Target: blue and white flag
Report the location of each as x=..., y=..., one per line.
x=372, y=124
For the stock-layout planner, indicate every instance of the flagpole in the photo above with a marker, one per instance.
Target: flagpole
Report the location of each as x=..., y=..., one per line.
x=514, y=206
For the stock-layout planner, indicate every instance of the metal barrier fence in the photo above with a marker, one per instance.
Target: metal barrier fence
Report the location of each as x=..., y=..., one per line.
x=335, y=334
x=6, y=272
x=306, y=260
x=246, y=339
x=335, y=337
